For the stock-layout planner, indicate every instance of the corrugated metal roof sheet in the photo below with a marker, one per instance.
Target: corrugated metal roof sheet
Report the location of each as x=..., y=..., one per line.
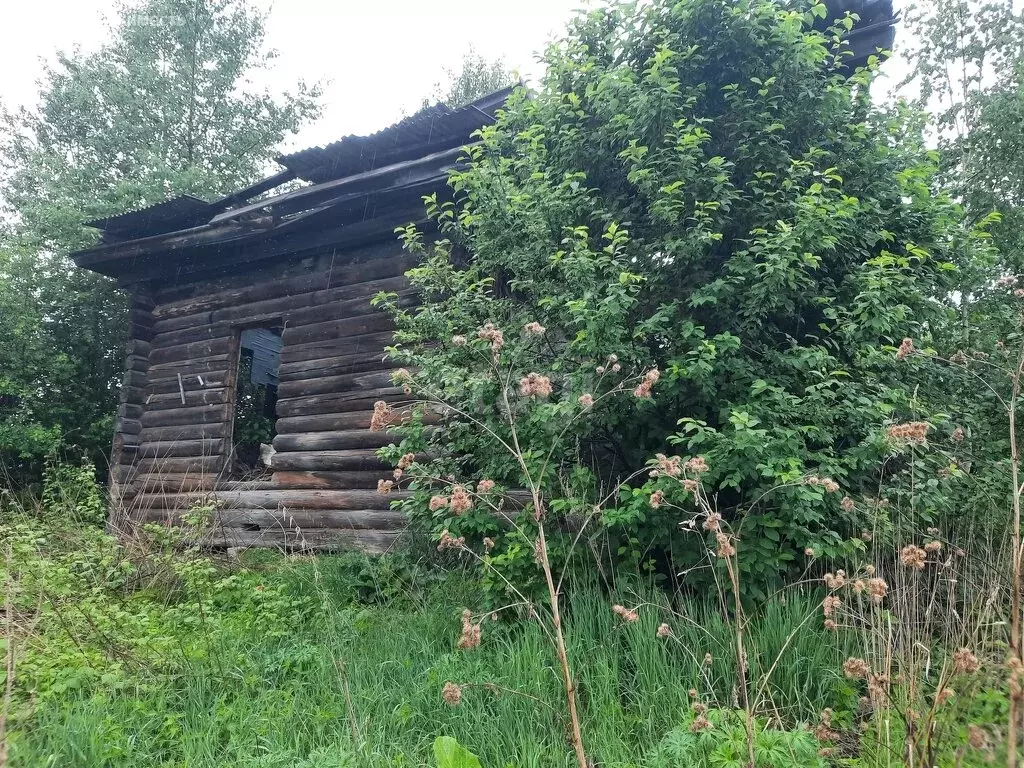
x=430, y=130
x=174, y=214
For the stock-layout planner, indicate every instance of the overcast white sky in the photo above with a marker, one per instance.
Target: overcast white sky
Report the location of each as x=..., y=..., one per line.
x=379, y=56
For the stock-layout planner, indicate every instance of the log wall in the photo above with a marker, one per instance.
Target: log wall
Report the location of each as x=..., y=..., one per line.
x=174, y=431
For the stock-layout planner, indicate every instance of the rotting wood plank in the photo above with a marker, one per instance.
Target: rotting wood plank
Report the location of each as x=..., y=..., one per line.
x=190, y=383
x=264, y=519
x=307, y=539
x=200, y=414
x=333, y=441
x=182, y=432
x=335, y=384
x=278, y=499
x=191, y=351
x=211, y=364
x=369, y=342
x=331, y=422
x=331, y=480
x=336, y=402
x=202, y=447
x=186, y=465
x=328, y=461
x=374, y=322
x=337, y=366
x=193, y=397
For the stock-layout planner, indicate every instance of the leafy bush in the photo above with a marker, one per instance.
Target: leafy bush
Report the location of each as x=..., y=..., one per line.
x=698, y=187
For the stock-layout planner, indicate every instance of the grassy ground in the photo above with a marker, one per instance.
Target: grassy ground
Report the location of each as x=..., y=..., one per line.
x=340, y=661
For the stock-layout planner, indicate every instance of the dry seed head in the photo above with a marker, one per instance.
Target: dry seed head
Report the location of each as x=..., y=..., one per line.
x=471, y=633
x=488, y=543
x=587, y=401
x=438, y=502
x=913, y=557
x=656, y=499
x=381, y=416
x=700, y=723
x=535, y=385
x=669, y=465
x=460, y=501
x=847, y=504
x=697, y=465
x=452, y=694
x=877, y=589
x=713, y=522
x=829, y=605
x=725, y=546
x=485, y=486
x=626, y=614
x=384, y=487
x=906, y=349
x=664, y=631
x=965, y=662
x=933, y=546
x=914, y=432
x=534, y=329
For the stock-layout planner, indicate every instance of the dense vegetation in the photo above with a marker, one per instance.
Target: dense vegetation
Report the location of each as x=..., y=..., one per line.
x=701, y=235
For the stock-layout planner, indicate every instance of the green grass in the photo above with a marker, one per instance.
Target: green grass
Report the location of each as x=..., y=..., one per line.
x=275, y=695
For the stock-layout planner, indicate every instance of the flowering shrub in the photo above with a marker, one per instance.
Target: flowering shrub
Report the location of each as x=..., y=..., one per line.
x=757, y=248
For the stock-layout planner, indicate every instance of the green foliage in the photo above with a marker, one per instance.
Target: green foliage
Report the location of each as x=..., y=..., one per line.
x=450, y=754
x=164, y=108
x=699, y=187
x=723, y=745
x=475, y=77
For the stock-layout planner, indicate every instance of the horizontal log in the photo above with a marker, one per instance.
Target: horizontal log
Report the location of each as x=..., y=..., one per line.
x=193, y=397
x=130, y=411
x=192, y=351
x=182, y=432
x=200, y=414
x=140, y=331
x=333, y=422
x=329, y=480
x=189, y=382
x=191, y=336
x=306, y=539
x=186, y=465
x=360, y=362
x=333, y=384
x=285, y=499
x=352, y=345
x=135, y=395
x=389, y=262
x=374, y=322
x=171, y=483
x=333, y=441
x=264, y=519
x=136, y=363
x=328, y=461
x=212, y=364
x=127, y=426
x=133, y=379
x=297, y=308
x=209, y=447
x=336, y=402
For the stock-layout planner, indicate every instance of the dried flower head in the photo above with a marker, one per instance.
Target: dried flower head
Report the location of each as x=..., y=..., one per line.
x=697, y=465
x=534, y=329
x=692, y=693
x=626, y=614
x=643, y=389
x=657, y=498
x=667, y=465
x=587, y=401
x=535, y=385
x=933, y=546
x=976, y=737
x=600, y=369
x=438, y=502
x=725, y=545
x=461, y=501
x=664, y=631
x=809, y=551
x=494, y=335
x=830, y=625
x=384, y=487
x=859, y=586
x=471, y=633
x=835, y=580
x=856, y=669
x=708, y=659
x=459, y=340
x=827, y=483
x=690, y=485
x=914, y=432
x=829, y=605
x=965, y=662
x=913, y=556
x=452, y=694
x=943, y=695
x=876, y=589
x=869, y=570
x=906, y=349
x=700, y=723
x=485, y=486
x=847, y=504
x=958, y=435
x=397, y=473
x=488, y=543
x=616, y=368
x=450, y=542
x=406, y=461
x=878, y=687
x=381, y=416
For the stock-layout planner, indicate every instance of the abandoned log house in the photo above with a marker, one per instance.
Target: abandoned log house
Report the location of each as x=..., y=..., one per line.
x=255, y=356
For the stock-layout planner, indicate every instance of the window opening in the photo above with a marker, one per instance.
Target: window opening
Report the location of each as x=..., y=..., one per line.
x=259, y=365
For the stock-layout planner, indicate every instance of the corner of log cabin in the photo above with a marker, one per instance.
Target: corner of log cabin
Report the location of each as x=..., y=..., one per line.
x=309, y=261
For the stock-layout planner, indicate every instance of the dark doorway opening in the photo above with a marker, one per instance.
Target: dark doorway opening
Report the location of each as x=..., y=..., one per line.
x=259, y=365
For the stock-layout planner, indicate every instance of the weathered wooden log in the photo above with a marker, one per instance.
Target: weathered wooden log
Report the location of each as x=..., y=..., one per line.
x=208, y=447
x=186, y=465
x=189, y=382
x=201, y=414
x=306, y=539
x=352, y=345
x=182, y=432
x=338, y=329
x=328, y=461
x=191, y=336
x=341, y=402
x=133, y=395
x=333, y=441
x=277, y=499
x=133, y=379
x=141, y=332
x=130, y=411
x=389, y=261
x=338, y=480
x=212, y=364
x=333, y=422
x=136, y=363
x=360, y=362
x=192, y=351
x=264, y=519
x=335, y=384
x=193, y=397
x=171, y=483
x=127, y=426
